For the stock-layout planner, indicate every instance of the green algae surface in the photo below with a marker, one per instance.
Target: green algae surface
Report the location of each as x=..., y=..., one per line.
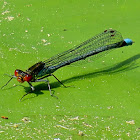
x=103, y=100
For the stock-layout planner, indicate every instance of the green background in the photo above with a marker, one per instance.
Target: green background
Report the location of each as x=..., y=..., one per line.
x=103, y=101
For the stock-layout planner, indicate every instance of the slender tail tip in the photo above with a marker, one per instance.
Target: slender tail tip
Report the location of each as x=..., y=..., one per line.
x=128, y=41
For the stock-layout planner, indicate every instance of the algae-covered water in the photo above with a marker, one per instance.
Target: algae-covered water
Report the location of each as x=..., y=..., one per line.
x=103, y=100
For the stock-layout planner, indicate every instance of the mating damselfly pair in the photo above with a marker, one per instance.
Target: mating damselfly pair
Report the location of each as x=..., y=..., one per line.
x=107, y=40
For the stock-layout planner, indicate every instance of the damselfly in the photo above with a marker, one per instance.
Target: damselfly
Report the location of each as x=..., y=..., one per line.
x=107, y=40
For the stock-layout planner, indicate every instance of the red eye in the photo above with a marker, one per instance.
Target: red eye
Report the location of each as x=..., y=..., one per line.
x=22, y=76
x=20, y=79
x=16, y=73
x=28, y=78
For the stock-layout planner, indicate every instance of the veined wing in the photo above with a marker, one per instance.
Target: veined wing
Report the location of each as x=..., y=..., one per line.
x=105, y=38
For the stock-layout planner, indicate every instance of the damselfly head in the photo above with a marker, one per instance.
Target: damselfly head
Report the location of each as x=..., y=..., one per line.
x=22, y=76
x=128, y=41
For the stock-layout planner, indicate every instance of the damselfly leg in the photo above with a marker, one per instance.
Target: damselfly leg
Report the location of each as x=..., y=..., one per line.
x=32, y=88
x=54, y=77
x=50, y=90
x=7, y=82
x=24, y=96
x=49, y=87
x=59, y=80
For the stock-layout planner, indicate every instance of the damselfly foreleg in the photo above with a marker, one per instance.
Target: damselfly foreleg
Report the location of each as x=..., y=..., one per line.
x=32, y=89
x=7, y=82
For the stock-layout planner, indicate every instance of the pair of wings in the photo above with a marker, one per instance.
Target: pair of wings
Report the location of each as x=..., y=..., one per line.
x=105, y=38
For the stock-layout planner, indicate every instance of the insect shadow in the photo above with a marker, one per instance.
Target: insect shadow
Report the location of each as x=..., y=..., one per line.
x=125, y=65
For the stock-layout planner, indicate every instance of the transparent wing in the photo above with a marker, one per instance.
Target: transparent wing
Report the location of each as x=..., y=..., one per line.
x=107, y=37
